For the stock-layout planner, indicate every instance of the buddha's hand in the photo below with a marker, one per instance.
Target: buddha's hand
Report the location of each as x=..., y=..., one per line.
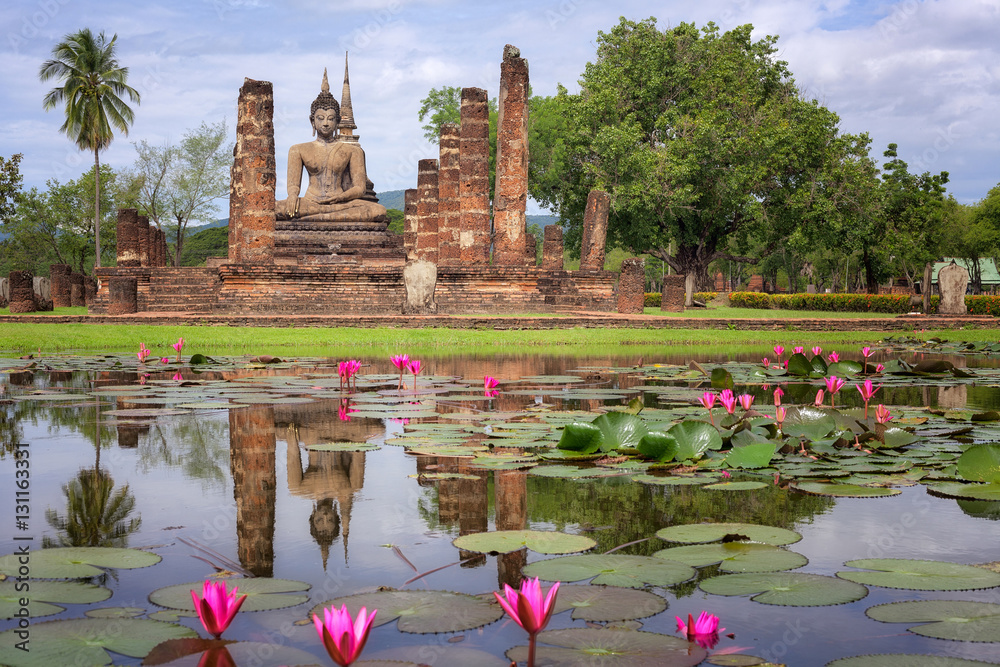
x=332, y=199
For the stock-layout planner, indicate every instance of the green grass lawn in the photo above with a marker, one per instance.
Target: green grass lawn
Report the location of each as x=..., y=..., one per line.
x=728, y=312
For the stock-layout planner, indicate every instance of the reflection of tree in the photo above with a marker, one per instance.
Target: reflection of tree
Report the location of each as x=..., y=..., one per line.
x=97, y=514
x=199, y=447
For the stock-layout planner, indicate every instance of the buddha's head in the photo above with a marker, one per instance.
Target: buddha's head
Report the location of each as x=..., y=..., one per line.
x=324, y=114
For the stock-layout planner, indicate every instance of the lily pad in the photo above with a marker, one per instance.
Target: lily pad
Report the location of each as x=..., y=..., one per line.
x=702, y=533
x=837, y=490
x=85, y=641
x=593, y=647
x=42, y=593
x=673, y=480
x=905, y=660
x=757, y=455
x=920, y=575
x=793, y=589
x=959, y=620
x=611, y=570
x=343, y=447
x=601, y=604
x=421, y=611
x=78, y=562
x=964, y=490
x=980, y=463
x=116, y=612
x=539, y=541
x=735, y=557
x=262, y=594
x=694, y=438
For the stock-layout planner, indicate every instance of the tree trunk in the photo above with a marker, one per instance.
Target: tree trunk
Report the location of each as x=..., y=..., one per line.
x=928, y=276
x=871, y=284
x=97, y=209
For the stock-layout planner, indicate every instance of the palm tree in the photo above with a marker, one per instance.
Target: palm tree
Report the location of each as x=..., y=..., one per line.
x=92, y=87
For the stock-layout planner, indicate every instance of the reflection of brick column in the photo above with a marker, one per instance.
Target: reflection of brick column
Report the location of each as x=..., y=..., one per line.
x=473, y=510
x=510, y=491
x=512, y=162
x=77, y=292
x=251, y=193
x=128, y=238
x=672, y=298
x=59, y=273
x=22, y=292
x=427, y=210
x=449, y=203
x=251, y=446
x=552, y=248
x=631, y=282
x=143, y=240
x=595, y=231
x=474, y=177
x=122, y=293
x=410, y=199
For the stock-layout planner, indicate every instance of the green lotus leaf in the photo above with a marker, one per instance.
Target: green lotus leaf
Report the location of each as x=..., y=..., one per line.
x=799, y=365
x=539, y=541
x=838, y=490
x=981, y=463
x=673, y=480
x=457, y=451
x=735, y=556
x=42, y=593
x=601, y=647
x=919, y=575
x=78, y=562
x=757, y=455
x=745, y=485
x=843, y=368
x=115, y=612
x=343, y=447
x=694, y=438
x=421, y=611
x=721, y=378
x=581, y=438
x=445, y=655
x=905, y=660
x=620, y=429
x=808, y=422
x=85, y=641
x=896, y=438
x=964, y=490
x=659, y=446
x=263, y=593
x=793, y=589
x=611, y=570
x=601, y=604
x=702, y=533
x=959, y=620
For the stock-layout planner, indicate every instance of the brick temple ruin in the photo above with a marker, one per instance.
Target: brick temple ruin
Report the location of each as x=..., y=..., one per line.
x=317, y=263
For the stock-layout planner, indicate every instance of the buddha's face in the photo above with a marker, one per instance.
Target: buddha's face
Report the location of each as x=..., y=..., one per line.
x=325, y=122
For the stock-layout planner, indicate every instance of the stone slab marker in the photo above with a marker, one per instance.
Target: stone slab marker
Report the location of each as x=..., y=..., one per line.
x=552, y=248
x=123, y=295
x=144, y=240
x=427, y=211
x=419, y=282
x=672, y=298
x=251, y=191
x=595, y=231
x=410, y=199
x=511, y=196
x=631, y=286
x=128, y=237
x=59, y=273
x=449, y=203
x=952, y=281
x=22, y=292
x=474, y=177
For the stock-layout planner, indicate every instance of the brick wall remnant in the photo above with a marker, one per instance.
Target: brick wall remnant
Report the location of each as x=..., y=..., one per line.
x=89, y=289
x=511, y=196
x=22, y=292
x=410, y=199
x=77, y=293
x=595, y=231
x=427, y=211
x=631, y=286
x=530, y=250
x=251, y=191
x=143, y=234
x=128, y=237
x=552, y=248
x=474, y=177
x=161, y=248
x=59, y=273
x=449, y=202
x=672, y=298
x=123, y=294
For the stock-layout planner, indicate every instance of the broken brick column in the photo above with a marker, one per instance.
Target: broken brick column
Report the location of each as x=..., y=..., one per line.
x=511, y=195
x=77, y=291
x=672, y=298
x=449, y=204
x=144, y=240
x=631, y=286
x=595, y=231
x=427, y=211
x=410, y=198
x=123, y=295
x=474, y=177
x=251, y=191
x=89, y=289
x=59, y=273
x=552, y=248
x=530, y=250
x=128, y=237
x=22, y=292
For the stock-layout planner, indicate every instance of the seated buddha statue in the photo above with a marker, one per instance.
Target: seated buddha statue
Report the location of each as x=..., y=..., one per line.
x=339, y=189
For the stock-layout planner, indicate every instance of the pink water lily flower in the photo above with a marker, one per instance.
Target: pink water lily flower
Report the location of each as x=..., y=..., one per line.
x=164, y=360
x=728, y=400
x=882, y=414
x=143, y=352
x=529, y=609
x=400, y=361
x=704, y=631
x=414, y=367
x=708, y=402
x=798, y=350
x=726, y=474
x=746, y=400
x=343, y=638
x=833, y=357
x=817, y=351
x=833, y=385
x=216, y=607
x=879, y=368
x=490, y=382
x=766, y=362
x=819, y=397
x=778, y=351
x=867, y=390
x=866, y=352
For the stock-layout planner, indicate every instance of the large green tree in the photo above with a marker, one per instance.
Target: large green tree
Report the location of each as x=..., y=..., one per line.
x=10, y=185
x=91, y=87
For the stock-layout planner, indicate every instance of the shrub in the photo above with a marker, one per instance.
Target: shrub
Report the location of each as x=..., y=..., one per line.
x=980, y=304
x=749, y=300
x=651, y=299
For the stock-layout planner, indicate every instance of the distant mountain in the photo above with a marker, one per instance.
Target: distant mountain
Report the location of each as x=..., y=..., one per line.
x=222, y=222
x=394, y=199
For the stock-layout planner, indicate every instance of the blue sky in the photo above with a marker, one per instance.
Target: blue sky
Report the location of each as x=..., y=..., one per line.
x=924, y=74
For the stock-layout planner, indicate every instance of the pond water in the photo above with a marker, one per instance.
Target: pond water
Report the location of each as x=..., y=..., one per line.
x=215, y=471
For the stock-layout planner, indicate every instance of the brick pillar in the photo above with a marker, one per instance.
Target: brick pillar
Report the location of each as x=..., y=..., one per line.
x=144, y=240
x=59, y=273
x=511, y=196
x=22, y=292
x=90, y=289
x=672, y=298
x=530, y=250
x=77, y=292
x=410, y=198
x=427, y=210
x=154, y=247
x=552, y=248
x=128, y=239
x=123, y=295
x=251, y=192
x=631, y=286
x=251, y=447
x=474, y=177
x=449, y=203
x=595, y=231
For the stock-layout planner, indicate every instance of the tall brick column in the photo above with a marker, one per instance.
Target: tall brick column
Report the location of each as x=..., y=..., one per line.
x=251, y=192
x=552, y=248
x=410, y=199
x=449, y=203
x=595, y=231
x=61, y=290
x=474, y=177
x=22, y=292
x=511, y=194
x=251, y=447
x=144, y=240
x=631, y=286
x=128, y=238
x=530, y=250
x=427, y=210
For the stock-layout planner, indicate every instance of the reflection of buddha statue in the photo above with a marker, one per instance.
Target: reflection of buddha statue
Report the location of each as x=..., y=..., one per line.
x=339, y=189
